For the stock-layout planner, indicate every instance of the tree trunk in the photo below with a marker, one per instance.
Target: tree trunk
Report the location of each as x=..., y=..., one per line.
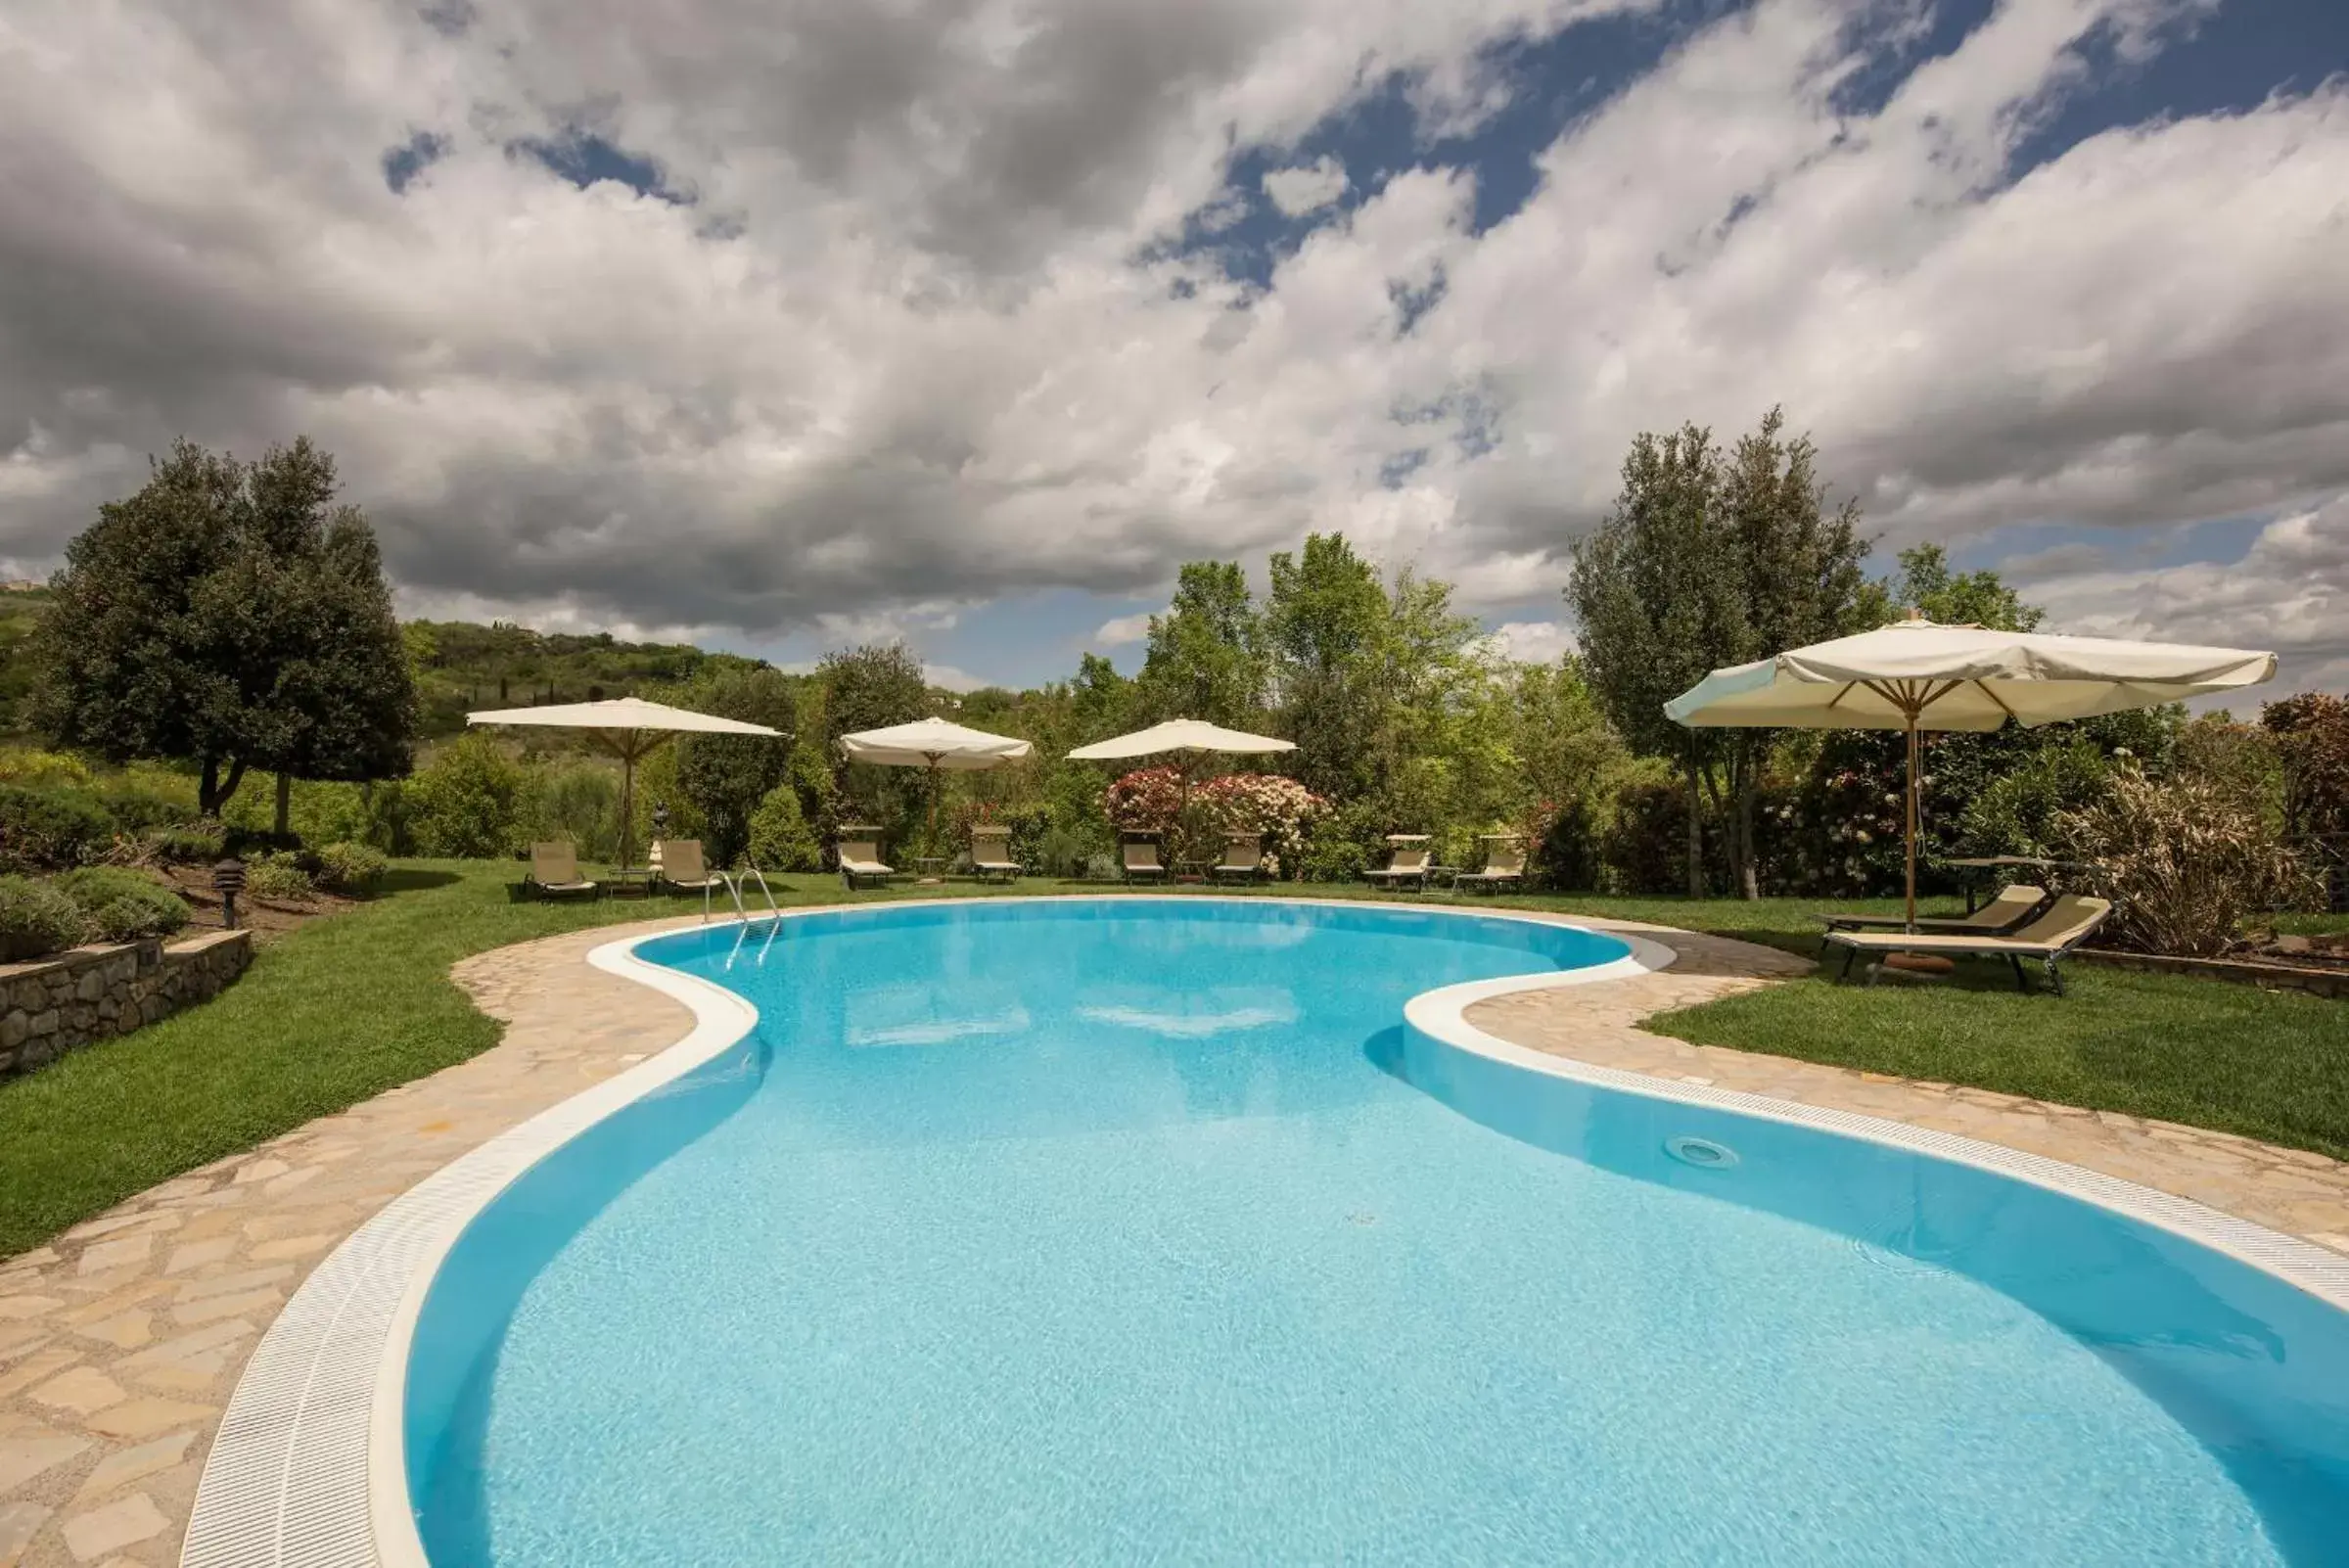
x=1696, y=827
x=212, y=793
x=285, y=804
x=1749, y=787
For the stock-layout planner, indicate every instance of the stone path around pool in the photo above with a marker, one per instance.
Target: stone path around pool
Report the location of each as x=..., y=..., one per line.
x=122, y=1341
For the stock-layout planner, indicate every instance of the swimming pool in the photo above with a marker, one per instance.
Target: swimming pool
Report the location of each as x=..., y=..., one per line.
x=1148, y=1229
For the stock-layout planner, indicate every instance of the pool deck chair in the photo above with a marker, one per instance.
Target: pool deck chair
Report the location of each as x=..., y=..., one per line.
x=2069, y=921
x=1243, y=859
x=860, y=850
x=1137, y=856
x=1406, y=862
x=555, y=872
x=1505, y=864
x=2015, y=904
x=990, y=854
x=683, y=867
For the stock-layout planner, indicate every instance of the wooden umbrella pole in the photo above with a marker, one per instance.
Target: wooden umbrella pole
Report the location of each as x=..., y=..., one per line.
x=1911, y=828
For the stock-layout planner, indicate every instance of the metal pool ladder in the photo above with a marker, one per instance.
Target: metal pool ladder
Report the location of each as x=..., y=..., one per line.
x=735, y=881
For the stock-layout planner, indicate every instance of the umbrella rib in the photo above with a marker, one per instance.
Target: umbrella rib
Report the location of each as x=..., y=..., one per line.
x=1837, y=700
x=1984, y=686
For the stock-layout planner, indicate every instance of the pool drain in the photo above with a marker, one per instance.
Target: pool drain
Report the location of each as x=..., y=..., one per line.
x=1703, y=1153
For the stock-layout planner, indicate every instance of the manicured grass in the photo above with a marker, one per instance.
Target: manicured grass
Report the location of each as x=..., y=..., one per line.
x=342, y=1009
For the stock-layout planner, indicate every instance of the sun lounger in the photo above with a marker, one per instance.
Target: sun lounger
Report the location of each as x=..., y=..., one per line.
x=1243, y=859
x=859, y=851
x=1505, y=865
x=1139, y=860
x=683, y=869
x=990, y=854
x=555, y=872
x=2000, y=917
x=1406, y=863
x=2069, y=921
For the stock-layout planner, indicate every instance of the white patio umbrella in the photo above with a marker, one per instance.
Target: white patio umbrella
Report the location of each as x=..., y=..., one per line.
x=1181, y=735
x=936, y=745
x=629, y=727
x=1918, y=676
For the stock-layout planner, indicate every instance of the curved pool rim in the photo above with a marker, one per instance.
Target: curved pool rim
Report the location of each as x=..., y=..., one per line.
x=331, y=1373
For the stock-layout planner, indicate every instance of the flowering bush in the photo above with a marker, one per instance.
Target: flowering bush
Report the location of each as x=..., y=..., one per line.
x=2184, y=861
x=1144, y=801
x=1280, y=809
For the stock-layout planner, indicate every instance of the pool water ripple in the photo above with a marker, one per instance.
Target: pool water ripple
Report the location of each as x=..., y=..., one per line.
x=1141, y=1232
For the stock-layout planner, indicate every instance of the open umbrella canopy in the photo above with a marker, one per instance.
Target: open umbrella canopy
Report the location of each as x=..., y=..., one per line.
x=934, y=742
x=626, y=727
x=1181, y=735
x=1915, y=675
x=620, y=716
x=1940, y=678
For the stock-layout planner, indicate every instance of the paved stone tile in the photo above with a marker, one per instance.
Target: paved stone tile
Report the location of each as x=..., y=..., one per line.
x=126, y=1465
x=18, y=1523
x=83, y=1391
x=26, y=1454
x=126, y=1523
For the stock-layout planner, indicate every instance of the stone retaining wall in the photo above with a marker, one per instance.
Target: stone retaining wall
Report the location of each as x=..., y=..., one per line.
x=51, y=1005
x=2334, y=983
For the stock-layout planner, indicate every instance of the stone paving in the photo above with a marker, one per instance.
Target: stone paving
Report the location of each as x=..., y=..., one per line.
x=2290, y=1190
x=122, y=1341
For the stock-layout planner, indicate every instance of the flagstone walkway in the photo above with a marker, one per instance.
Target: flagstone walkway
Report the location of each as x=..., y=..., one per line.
x=122, y=1341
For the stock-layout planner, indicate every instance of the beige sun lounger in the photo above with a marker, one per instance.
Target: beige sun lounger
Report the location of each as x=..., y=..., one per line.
x=1505, y=865
x=1998, y=918
x=683, y=869
x=1406, y=863
x=1243, y=858
x=1139, y=858
x=990, y=854
x=555, y=872
x=2069, y=921
x=859, y=850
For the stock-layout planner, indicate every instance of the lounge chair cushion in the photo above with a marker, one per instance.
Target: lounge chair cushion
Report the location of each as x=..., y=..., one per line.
x=2010, y=910
x=2068, y=922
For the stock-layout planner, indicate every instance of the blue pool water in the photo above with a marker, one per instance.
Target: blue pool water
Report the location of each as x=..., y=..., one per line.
x=1124, y=1232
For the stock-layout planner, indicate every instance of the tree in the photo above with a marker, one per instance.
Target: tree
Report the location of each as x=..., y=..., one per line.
x=863, y=688
x=1323, y=625
x=228, y=614
x=1655, y=598
x=1799, y=581
x=1204, y=660
x=727, y=777
x=1959, y=599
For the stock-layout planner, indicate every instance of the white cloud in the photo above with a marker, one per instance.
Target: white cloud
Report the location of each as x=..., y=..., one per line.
x=949, y=678
x=900, y=358
x=1306, y=187
x=1531, y=642
x=1124, y=629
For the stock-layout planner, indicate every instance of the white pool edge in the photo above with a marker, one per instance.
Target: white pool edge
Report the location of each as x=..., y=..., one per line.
x=308, y=1468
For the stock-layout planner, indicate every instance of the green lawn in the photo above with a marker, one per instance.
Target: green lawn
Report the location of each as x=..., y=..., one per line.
x=345, y=1008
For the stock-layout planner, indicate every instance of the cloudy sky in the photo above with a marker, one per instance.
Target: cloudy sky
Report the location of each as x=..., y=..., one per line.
x=776, y=323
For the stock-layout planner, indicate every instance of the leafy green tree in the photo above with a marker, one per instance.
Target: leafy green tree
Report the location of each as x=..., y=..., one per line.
x=1203, y=660
x=727, y=777
x=229, y=613
x=870, y=687
x=1322, y=627
x=468, y=800
x=1655, y=596
x=1959, y=599
x=780, y=838
x=1799, y=581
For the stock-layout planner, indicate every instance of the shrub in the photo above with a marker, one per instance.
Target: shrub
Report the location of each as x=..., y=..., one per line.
x=580, y=803
x=2017, y=814
x=1058, y=853
x=121, y=905
x=1343, y=844
x=36, y=919
x=350, y=867
x=2183, y=860
x=467, y=802
x=1280, y=809
x=1144, y=801
x=191, y=844
x=278, y=875
x=1562, y=843
x=52, y=829
x=780, y=838
x=43, y=770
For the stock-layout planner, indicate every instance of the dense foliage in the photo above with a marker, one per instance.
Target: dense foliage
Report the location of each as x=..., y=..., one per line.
x=123, y=905
x=231, y=616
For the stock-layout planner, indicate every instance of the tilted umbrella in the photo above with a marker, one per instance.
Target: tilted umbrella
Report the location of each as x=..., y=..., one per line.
x=1918, y=676
x=629, y=727
x=1181, y=735
x=936, y=745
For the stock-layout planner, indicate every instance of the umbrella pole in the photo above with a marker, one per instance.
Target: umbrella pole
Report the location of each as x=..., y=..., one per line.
x=628, y=801
x=1910, y=916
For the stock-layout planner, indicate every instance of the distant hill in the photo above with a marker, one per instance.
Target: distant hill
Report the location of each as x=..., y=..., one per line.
x=461, y=665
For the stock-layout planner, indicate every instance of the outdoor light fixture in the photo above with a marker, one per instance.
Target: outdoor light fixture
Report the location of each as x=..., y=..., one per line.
x=228, y=880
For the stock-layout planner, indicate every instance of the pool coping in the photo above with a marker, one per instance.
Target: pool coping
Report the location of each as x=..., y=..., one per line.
x=326, y=1386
